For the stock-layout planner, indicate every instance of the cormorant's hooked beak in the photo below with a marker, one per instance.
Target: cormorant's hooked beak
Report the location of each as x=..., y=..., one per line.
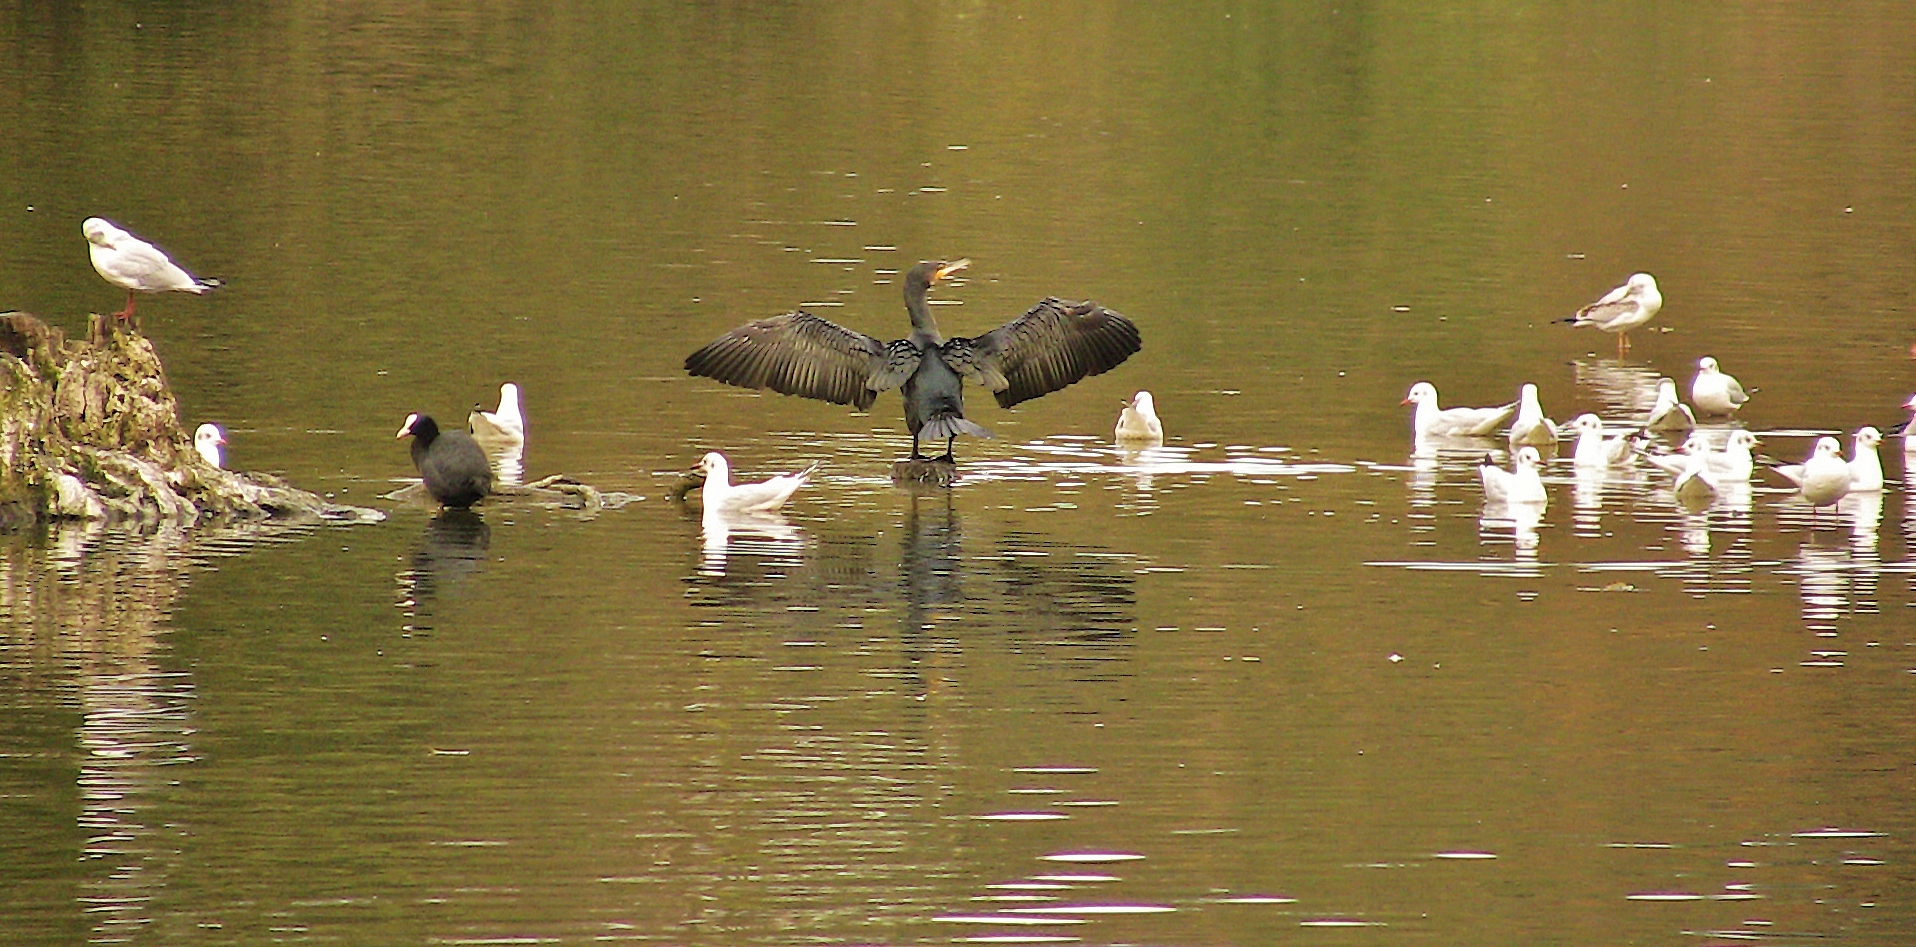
x=949, y=269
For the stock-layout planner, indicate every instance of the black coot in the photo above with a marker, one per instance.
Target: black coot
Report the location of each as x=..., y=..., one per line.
x=451, y=463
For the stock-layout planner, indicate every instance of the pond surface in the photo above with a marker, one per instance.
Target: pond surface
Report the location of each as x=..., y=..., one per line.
x=1283, y=680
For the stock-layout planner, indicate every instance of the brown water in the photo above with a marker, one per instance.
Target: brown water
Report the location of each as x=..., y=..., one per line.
x=1280, y=681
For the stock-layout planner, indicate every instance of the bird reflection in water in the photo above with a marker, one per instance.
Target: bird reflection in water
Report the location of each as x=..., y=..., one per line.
x=1627, y=392
x=746, y=534
x=507, y=458
x=451, y=549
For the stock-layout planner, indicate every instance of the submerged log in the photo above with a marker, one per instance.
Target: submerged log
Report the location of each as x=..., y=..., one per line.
x=90, y=430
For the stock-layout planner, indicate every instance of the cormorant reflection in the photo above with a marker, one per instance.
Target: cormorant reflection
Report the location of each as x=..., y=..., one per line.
x=1029, y=588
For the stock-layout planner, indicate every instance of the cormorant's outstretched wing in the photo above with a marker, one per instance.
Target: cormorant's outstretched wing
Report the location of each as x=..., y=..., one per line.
x=1055, y=344
x=800, y=354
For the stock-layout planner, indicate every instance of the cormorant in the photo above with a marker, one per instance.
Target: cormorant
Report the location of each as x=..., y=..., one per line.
x=1055, y=344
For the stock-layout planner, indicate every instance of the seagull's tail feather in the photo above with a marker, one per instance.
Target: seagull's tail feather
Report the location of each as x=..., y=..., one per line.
x=951, y=425
x=207, y=282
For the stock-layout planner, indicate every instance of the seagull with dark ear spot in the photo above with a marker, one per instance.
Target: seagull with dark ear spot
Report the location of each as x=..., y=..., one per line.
x=134, y=265
x=1055, y=344
x=450, y=462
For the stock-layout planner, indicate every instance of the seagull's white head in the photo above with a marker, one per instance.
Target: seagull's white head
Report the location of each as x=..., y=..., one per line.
x=1642, y=282
x=1868, y=437
x=1706, y=364
x=1425, y=393
x=713, y=465
x=1588, y=422
x=1528, y=457
x=100, y=232
x=1741, y=438
x=1827, y=447
x=207, y=439
x=1142, y=402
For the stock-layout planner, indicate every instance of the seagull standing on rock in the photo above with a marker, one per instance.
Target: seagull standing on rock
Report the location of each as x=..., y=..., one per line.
x=134, y=265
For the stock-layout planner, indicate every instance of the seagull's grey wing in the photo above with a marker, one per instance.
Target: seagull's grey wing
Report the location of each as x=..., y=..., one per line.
x=1608, y=310
x=143, y=263
x=1734, y=389
x=1057, y=343
x=800, y=354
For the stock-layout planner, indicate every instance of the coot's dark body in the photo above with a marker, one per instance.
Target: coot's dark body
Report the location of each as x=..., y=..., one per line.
x=451, y=462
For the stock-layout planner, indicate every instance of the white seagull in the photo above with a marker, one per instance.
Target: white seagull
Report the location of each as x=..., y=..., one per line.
x=722, y=496
x=1622, y=309
x=1714, y=392
x=1531, y=427
x=1432, y=421
x=505, y=424
x=1695, y=481
x=134, y=265
x=1825, y=477
x=207, y=440
x=1865, y=467
x=1523, y=485
x=1908, y=427
x=1733, y=463
x=1138, y=422
x=1596, y=452
x=1669, y=414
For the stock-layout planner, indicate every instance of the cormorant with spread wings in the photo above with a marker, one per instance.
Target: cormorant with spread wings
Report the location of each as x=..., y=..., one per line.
x=1055, y=344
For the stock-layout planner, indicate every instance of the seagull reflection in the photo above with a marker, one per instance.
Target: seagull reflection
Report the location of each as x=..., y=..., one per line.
x=754, y=534
x=1864, y=511
x=452, y=548
x=1624, y=390
x=1144, y=463
x=507, y=457
x=1519, y=520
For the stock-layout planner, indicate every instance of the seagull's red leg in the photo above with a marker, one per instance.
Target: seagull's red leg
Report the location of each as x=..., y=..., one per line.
x=126, y=313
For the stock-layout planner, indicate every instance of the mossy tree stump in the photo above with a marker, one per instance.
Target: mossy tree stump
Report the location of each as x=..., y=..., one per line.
x=90, y=430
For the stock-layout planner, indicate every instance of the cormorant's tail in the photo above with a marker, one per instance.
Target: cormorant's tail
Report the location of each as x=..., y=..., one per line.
x=950, y=426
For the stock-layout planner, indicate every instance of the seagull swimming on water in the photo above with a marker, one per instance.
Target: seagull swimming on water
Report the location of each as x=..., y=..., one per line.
x=1669, y=414
x=1733, y=463
x=505, y=424
x=1622, y=309
x=1521, y=485
x=722, y=496
x=1138, y=421
x=1865, y=467
x=134, y=265
x=1531, y=427
x=1714, y=392
x=1594, y=451
x=1432, y=421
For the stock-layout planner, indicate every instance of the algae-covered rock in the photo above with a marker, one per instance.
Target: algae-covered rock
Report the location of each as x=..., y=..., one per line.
x=90, y=430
